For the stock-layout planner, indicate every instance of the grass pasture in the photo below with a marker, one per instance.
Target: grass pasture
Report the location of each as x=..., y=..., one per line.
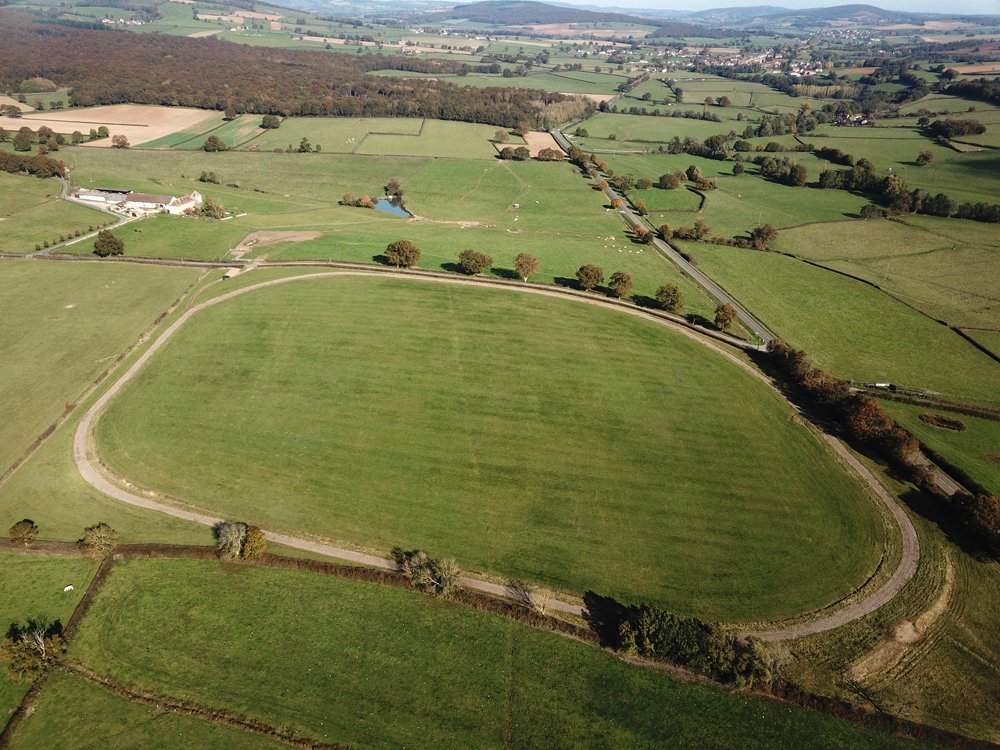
x=31, y=213
x=64, y=324
x=495, y=464
x=463, y=202
x=849, y=328
x=946, y=268
x=72, y=713
x=381, y=667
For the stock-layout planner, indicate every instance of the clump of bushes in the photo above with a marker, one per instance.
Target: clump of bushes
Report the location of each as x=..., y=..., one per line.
x=432, y=575
x=236, y=540
x=654, y=633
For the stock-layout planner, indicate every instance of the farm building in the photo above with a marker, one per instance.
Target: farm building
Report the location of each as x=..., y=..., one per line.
x=126, y=200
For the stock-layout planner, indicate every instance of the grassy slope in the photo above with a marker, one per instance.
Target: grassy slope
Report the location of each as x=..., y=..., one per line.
x=849, y=328
x=73, y=714
x=31, y=213
x=32, y=586
x=523, y=436
x=64, y=324
x=383, y=667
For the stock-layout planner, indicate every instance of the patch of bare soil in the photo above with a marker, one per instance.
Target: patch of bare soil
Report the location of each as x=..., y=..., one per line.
x=945, y=423
x=902, y=636
x=536, y=140
x=260, y=239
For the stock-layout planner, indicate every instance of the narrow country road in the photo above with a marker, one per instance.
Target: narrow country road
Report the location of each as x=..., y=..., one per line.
x=87, y=467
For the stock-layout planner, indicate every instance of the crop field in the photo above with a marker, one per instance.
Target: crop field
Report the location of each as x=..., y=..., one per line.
x=849, y=328
x=488, y=683
x=68, y=703
x=975, y=449
x=232, y=133
x=31, y=213
x=351, y=457
x=636, y=128
x=465, y=203
x=946, y=268
x=64, y=324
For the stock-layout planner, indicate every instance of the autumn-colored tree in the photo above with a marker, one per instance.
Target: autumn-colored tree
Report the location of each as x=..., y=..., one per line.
x=99, y=540
x=640, y=206
x=501, y=136
x=700, y=230
x=523, y=127
x=525, y=265
x=589, y=276
x=925, y=158
x=669, y=297
x=870, y=211
x=23, y=533
x=119, y=141
x=230, y=113
x=402, y=253
x=668, y=182
x=666, y=233
x=212, y=209
x=474, y=262
x=214, y=143
x=621, y=284
x=763, y=235
x=392, y=187
x=254, y=543
x=616, y=203
x=725, y=316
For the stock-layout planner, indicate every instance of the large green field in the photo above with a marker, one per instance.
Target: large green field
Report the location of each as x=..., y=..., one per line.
x=65, y=323
x=380, y=667
x=463, y=203
x=32, y=213
x=848, y=327
x=32, y=586
x=947, y=268
x=475, y=434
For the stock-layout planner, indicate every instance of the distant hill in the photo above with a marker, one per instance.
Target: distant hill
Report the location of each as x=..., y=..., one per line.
x=523, y=13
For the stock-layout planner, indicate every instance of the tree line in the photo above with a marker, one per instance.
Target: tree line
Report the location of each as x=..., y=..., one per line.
x=213, y=74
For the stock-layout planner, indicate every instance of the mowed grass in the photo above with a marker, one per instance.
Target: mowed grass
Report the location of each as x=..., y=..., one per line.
x=849, y=328
x=334, y=134
x=73, y=714
x=64, y=324
x=381, y=667
x=975, y=450
x=525, y=437
x=31, y=213
x=32, y=586
x=946, y=268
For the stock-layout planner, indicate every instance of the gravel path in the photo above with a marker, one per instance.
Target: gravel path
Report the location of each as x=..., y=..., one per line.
x=98, y=480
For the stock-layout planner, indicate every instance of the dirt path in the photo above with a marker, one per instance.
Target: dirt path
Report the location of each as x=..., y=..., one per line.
x=87, y=464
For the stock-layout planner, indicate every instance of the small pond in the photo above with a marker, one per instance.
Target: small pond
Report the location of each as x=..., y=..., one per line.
x=393, y=207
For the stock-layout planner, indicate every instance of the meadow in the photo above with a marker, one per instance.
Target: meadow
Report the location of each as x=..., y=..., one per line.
x=32, y=213
x=944, y=267
x=407, y=671
x=849, y=328
x=32, y=586
x=64, y=324
x=469, y=436
x=463, y=203
x=68, y=703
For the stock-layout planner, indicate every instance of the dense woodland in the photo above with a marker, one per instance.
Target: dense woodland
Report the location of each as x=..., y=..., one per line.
x=115, y=67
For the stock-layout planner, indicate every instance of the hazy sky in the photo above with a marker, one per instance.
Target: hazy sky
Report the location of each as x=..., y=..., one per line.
x=991, y=7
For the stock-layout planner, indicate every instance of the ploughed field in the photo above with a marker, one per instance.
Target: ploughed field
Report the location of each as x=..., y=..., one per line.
x=529, y=437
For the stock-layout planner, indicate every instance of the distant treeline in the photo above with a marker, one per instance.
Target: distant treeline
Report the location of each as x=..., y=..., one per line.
x=983, y=89
x=115, y=67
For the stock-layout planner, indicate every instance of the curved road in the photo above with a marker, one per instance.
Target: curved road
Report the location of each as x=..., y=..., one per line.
x=90, y=472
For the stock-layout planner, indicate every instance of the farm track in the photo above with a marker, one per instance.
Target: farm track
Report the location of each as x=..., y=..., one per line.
x=114, y=487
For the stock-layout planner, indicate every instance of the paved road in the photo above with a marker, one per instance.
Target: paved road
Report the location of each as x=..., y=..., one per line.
x=98, y=480
x=721, y=295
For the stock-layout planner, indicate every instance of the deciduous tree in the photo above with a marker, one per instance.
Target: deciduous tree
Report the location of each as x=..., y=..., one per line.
x=621, y=284
x=107, y=243
x=474, y=262
x=100, y=540
x=214, y=143
x=725, y=316
x=589, y=276
x=23, y=533
x=669, y=297
x=402, y=253
x=525, y=265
